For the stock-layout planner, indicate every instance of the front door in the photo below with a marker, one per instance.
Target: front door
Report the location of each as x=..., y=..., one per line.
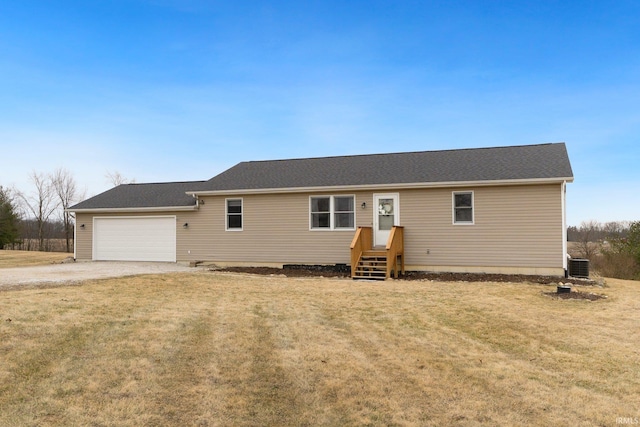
x=385, y=216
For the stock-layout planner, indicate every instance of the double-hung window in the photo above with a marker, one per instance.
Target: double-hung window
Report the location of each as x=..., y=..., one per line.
x=234, y=214
x=321, y=212
x=332, y=213
x=463, y=207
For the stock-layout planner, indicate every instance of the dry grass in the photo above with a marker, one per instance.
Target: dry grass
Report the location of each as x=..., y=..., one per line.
x=10, y=259
x=239, y=350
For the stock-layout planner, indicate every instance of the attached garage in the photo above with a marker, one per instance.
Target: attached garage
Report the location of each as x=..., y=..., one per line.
x=139, y=238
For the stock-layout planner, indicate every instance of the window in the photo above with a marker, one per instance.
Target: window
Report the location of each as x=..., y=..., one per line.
x=320, y=212
x=332, y=213
x=343, y=212
x=234, y=214
x=463, y=208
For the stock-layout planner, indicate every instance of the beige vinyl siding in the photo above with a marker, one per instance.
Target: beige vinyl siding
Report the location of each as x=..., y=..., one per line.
x=84, y=239
x=275, y=230
x=515, y=226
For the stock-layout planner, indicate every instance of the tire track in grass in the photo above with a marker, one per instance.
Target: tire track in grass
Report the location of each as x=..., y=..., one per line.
x=184, y=395
x=224, y=369
x=271, y=365
x=393, y=379
x=406, y=362
x=275, y=399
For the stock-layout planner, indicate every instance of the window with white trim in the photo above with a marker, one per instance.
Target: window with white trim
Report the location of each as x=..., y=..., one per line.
x=463, y=207
x=234, y=214
x=332, y=212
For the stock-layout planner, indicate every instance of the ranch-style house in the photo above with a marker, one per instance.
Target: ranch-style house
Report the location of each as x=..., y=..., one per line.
x=491, y=210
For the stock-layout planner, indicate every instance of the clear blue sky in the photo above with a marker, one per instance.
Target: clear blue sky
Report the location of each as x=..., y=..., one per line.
x=164, y=90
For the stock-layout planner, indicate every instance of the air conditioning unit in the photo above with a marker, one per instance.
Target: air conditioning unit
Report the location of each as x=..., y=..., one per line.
x=579, y=268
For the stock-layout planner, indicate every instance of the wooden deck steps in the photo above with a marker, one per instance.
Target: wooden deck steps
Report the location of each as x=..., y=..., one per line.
x=372, y=266
x=377, y=262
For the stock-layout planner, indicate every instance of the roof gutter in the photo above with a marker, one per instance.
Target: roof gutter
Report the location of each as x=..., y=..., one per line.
x=146, y=209
x=402, y=186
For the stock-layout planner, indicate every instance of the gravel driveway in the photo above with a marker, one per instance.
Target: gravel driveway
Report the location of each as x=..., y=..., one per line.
x=78, y=271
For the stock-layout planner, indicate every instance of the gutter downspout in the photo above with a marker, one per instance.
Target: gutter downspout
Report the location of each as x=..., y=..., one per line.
x=75, y=238
x=564, y=227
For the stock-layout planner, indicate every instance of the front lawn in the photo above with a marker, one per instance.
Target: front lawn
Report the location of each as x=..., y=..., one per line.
x=229, y=349
x=10, y=259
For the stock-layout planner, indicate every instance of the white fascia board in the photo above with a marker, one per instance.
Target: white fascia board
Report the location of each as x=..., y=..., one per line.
x=376, y=187
x=148, y=209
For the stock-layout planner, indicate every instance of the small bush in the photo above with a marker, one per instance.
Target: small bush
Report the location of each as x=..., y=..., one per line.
x=618, y=265
x=623, y=257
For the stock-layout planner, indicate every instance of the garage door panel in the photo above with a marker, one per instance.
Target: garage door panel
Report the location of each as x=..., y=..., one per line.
x=135, y=239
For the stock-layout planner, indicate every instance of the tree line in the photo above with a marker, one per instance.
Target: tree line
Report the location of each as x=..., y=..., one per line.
x=30, y=220
x=613, y=247
x=595, y=231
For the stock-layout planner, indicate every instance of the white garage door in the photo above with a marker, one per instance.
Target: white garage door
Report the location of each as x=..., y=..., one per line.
x=149, y=238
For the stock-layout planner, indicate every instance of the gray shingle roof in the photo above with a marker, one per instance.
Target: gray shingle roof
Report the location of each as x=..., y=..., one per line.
x=543, y=161
x=166, y=194
x=527, y=162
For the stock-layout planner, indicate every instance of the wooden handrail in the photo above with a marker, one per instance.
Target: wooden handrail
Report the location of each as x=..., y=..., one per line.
x=395, y=249
x=362, y=241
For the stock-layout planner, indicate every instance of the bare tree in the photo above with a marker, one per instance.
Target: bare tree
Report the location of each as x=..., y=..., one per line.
x=116, y=178
x=41, y=203
x=588, y=245
x=67, y=191
x=616, y=229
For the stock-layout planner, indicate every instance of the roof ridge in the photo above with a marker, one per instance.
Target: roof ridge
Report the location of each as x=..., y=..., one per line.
x=403, y=153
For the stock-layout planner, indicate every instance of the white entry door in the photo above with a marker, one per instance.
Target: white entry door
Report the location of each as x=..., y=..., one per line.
x=386, y=214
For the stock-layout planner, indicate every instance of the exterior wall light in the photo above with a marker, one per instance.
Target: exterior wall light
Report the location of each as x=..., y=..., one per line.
x=363, y=205
x=82, y=226
x=186, y=225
